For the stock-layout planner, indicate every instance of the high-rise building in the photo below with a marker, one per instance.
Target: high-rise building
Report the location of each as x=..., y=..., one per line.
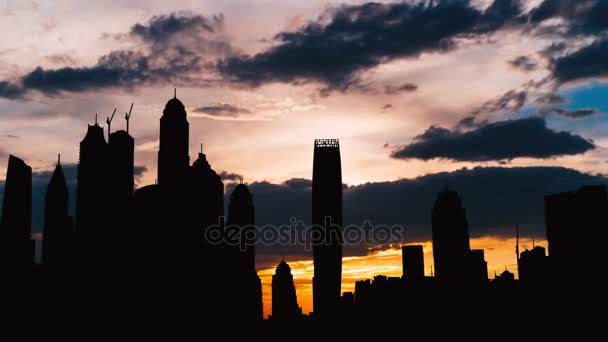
x=92, y=200
x=327, y=222
x=121, y=154
x=413, y=262
x=207, y=192
x=534, y=268
x=58, y=234
x=284, y=300
x=241, y=216
x=173, y=155
x=451, y=249
x=478, y=267
x=576, y=214
x=16, y=252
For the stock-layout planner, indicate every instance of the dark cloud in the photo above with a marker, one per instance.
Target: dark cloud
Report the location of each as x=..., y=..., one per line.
x=10, y=136
x=228, y=176
x=495, y=198
x=184, y=30
x=573, y=114
x=469, y=122
x=554, y=50
x=40, y=180
x=405, y=88
x=524, y=63
x=588, y=62
x=299, y=183
x=582, y=17
x=512, y=100
x=550, y=99
x=387, y=106
x=347, y=40
x=222, y=109
x=169, y=50
x=504, y=140
x=11, y=91
x=163, y=28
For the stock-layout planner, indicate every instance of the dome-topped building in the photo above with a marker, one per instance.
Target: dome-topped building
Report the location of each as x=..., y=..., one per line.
x=284, y=300
x=451, y=247
x=173, y=155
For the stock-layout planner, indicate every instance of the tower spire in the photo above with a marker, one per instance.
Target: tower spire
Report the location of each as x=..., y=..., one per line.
x=58, y=158
x=201, y=148
x=517, y=245
x=95, y=118
x=174, y=93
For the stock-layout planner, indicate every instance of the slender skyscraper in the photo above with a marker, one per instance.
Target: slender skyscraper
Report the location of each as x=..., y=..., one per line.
x=16, y=252
x=451, y=249
x=173, y=157
x=241, y=213
x=58, y=232
x=121, y=154
x=91, y=189
x=327, y=221
x=207, y=190
x=284, y=299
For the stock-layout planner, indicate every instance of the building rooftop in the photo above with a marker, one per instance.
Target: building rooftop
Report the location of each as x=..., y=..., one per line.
x=327, y=143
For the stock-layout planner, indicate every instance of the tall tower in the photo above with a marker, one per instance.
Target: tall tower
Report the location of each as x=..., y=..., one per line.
x=58, y=226
x=121, y=154
x=173, y=158
x=241, y=213
x=16, y=245
x=451, y=250
x=92, y=194
x=327, y=222
x=284, y=299
x=207, y=192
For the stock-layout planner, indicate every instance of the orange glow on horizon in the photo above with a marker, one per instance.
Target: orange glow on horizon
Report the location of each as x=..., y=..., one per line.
x=499, y=254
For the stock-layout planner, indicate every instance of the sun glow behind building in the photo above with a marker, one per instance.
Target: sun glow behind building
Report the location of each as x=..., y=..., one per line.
x=499, y=252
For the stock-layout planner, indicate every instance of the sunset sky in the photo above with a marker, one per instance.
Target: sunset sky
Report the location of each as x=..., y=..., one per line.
x=503, y=100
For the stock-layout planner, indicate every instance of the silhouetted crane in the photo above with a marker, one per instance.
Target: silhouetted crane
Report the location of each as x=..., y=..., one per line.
x=109, y=122
x=128, y=116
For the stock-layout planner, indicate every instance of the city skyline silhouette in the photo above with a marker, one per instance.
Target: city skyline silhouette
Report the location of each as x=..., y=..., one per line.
x=382, y=160
x=170, y=231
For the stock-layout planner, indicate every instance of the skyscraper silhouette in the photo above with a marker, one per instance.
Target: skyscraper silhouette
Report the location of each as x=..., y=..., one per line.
x=16, y=244
x=327, y=225
x=58, y=234
x=573, y=214
x=450, y=238
x=207, y=191
x=173, y=155
x=413, y=262
x=284, y=299
x=121, y=154
x=121, y=149
x=241, y=214
x=478, y=268
x=534, y=268
x=92, y=196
